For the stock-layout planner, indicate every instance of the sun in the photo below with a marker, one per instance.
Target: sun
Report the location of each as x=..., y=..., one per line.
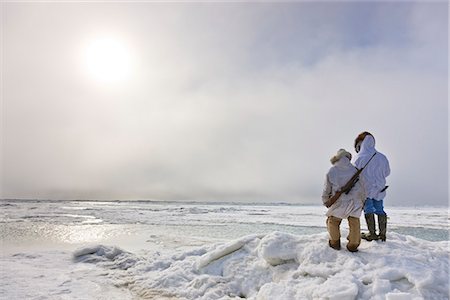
x=108, y=60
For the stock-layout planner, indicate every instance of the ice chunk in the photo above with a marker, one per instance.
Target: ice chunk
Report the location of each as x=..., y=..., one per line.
x=223, y=250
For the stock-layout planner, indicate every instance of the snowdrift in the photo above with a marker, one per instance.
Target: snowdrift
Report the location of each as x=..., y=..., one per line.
x=282, y=266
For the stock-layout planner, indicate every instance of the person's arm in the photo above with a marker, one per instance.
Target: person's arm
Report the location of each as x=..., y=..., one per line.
x=387, y=169
x=327, y=190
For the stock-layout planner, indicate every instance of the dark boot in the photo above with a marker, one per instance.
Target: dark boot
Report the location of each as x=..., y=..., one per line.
x=370, y=220
x=382, y=225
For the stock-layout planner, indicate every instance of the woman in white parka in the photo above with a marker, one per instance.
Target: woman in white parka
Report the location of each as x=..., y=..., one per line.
x=348, y=206
x=374, y=182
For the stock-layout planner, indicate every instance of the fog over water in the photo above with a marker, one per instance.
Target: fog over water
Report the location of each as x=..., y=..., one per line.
x=220, y=101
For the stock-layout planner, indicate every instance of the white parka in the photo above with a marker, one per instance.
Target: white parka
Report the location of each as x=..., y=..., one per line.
x=348, y=205
x=374, y=175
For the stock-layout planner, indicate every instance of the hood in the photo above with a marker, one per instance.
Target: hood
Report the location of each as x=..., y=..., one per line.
x=367, y=146
x=343, y=162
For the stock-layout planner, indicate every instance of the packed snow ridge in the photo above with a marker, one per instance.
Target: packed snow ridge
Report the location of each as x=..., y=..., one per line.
x=282, y=266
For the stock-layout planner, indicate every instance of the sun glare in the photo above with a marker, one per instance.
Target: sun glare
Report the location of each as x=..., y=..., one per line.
x=108, y=60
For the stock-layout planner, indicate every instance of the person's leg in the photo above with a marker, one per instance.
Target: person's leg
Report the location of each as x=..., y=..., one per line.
x=369, y=211
x=354, y=236
x=382, y=219
x=369, y=206
x=378, y=207
x=334, y=232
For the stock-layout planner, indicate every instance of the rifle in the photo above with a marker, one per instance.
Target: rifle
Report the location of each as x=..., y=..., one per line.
x=348, y=186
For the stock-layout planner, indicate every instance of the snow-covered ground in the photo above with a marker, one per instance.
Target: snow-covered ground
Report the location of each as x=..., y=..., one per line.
x=139, y=250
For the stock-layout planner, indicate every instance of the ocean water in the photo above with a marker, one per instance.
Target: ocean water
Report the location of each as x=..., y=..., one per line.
x=175, y=250
x=76, y=222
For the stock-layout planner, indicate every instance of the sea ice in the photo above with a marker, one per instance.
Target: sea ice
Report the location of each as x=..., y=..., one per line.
x=284, y=266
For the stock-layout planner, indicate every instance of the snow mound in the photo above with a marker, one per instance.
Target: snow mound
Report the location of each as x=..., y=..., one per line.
x=284, y=266
x=108, y=256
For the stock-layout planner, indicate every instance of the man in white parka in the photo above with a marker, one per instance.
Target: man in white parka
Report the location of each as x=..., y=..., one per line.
x=374, y=181
x=348, y=206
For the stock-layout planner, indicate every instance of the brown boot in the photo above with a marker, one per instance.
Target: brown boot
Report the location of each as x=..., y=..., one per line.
x=336, y=245
x=333, y=224
x=354, y=236
x=352, y=248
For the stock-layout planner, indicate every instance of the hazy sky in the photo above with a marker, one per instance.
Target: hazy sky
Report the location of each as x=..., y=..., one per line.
x=220, y=101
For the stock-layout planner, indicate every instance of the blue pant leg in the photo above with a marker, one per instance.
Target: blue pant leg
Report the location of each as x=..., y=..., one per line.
x=379, y=207
x=369, y=207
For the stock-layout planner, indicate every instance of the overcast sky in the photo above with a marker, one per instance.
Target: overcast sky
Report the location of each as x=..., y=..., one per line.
x=220, y=101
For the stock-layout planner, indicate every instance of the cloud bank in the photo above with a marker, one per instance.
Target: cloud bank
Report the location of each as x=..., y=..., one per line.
x=227, y=102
